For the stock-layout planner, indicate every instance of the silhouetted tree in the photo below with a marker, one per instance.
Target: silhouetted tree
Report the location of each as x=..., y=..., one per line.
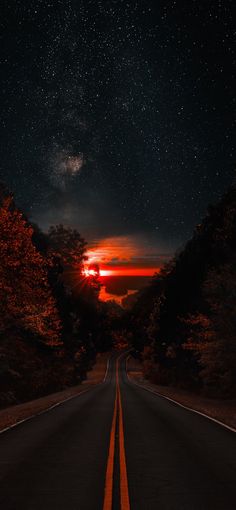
x=212, y=337
x=189, y=338
x=67, y=245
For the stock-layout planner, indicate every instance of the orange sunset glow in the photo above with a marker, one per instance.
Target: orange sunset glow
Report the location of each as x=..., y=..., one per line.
x=129, y=271
x=117, y=256
x=124, y=263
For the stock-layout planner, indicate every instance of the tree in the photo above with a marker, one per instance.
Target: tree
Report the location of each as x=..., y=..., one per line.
x=192, y=335
x=213, y=335
x=67, y=245
x=26, y=301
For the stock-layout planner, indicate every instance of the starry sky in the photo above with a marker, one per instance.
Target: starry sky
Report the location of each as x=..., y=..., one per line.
x=117, y=117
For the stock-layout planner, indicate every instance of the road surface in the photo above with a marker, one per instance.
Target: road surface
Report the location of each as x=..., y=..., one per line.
x=118, y=446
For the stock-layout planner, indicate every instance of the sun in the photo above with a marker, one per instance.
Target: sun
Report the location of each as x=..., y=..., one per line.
x=91, y=271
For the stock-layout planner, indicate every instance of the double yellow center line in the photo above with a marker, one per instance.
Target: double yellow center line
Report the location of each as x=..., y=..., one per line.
x=124, y=490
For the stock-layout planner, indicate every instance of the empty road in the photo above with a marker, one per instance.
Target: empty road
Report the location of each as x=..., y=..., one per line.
x=118, y=446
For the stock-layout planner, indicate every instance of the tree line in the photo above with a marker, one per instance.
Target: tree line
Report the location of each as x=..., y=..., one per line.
x=52, y=323
x=183, y=325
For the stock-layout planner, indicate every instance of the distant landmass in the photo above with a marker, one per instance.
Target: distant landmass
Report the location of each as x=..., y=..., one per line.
x=117, y=288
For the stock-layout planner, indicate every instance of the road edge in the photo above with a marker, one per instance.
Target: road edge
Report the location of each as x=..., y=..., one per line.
x=57, y=404
x=158, y=394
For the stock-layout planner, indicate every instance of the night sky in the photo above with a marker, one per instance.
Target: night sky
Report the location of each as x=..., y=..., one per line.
x=117, y=117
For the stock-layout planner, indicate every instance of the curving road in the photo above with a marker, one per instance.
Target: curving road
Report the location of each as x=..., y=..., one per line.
x=118, y=446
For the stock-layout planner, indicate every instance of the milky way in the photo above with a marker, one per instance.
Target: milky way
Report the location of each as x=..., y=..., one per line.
x=118, y=116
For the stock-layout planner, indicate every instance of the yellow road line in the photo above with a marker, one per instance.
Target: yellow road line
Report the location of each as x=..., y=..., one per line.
x=124, y=490
x=107, y=504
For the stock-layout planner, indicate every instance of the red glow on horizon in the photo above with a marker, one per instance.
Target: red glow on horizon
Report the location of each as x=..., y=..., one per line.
x=119, y=256
x=129, y=271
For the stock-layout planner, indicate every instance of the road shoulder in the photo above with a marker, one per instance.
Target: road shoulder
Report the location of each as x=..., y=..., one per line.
x=221, y=410
x=14, y=414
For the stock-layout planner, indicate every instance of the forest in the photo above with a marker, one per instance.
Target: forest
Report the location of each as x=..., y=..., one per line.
x=51, y=325
x=182, y=326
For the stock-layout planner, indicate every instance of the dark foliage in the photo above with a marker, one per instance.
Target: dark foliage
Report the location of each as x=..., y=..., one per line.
x=51, y=325
x=180, y=323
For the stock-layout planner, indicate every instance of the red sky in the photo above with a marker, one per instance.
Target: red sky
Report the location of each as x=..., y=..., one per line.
x=123, y=256
x=128, y=271
x=126, y=264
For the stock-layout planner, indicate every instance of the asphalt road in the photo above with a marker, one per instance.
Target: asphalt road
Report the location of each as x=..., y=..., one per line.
x=63, y=459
